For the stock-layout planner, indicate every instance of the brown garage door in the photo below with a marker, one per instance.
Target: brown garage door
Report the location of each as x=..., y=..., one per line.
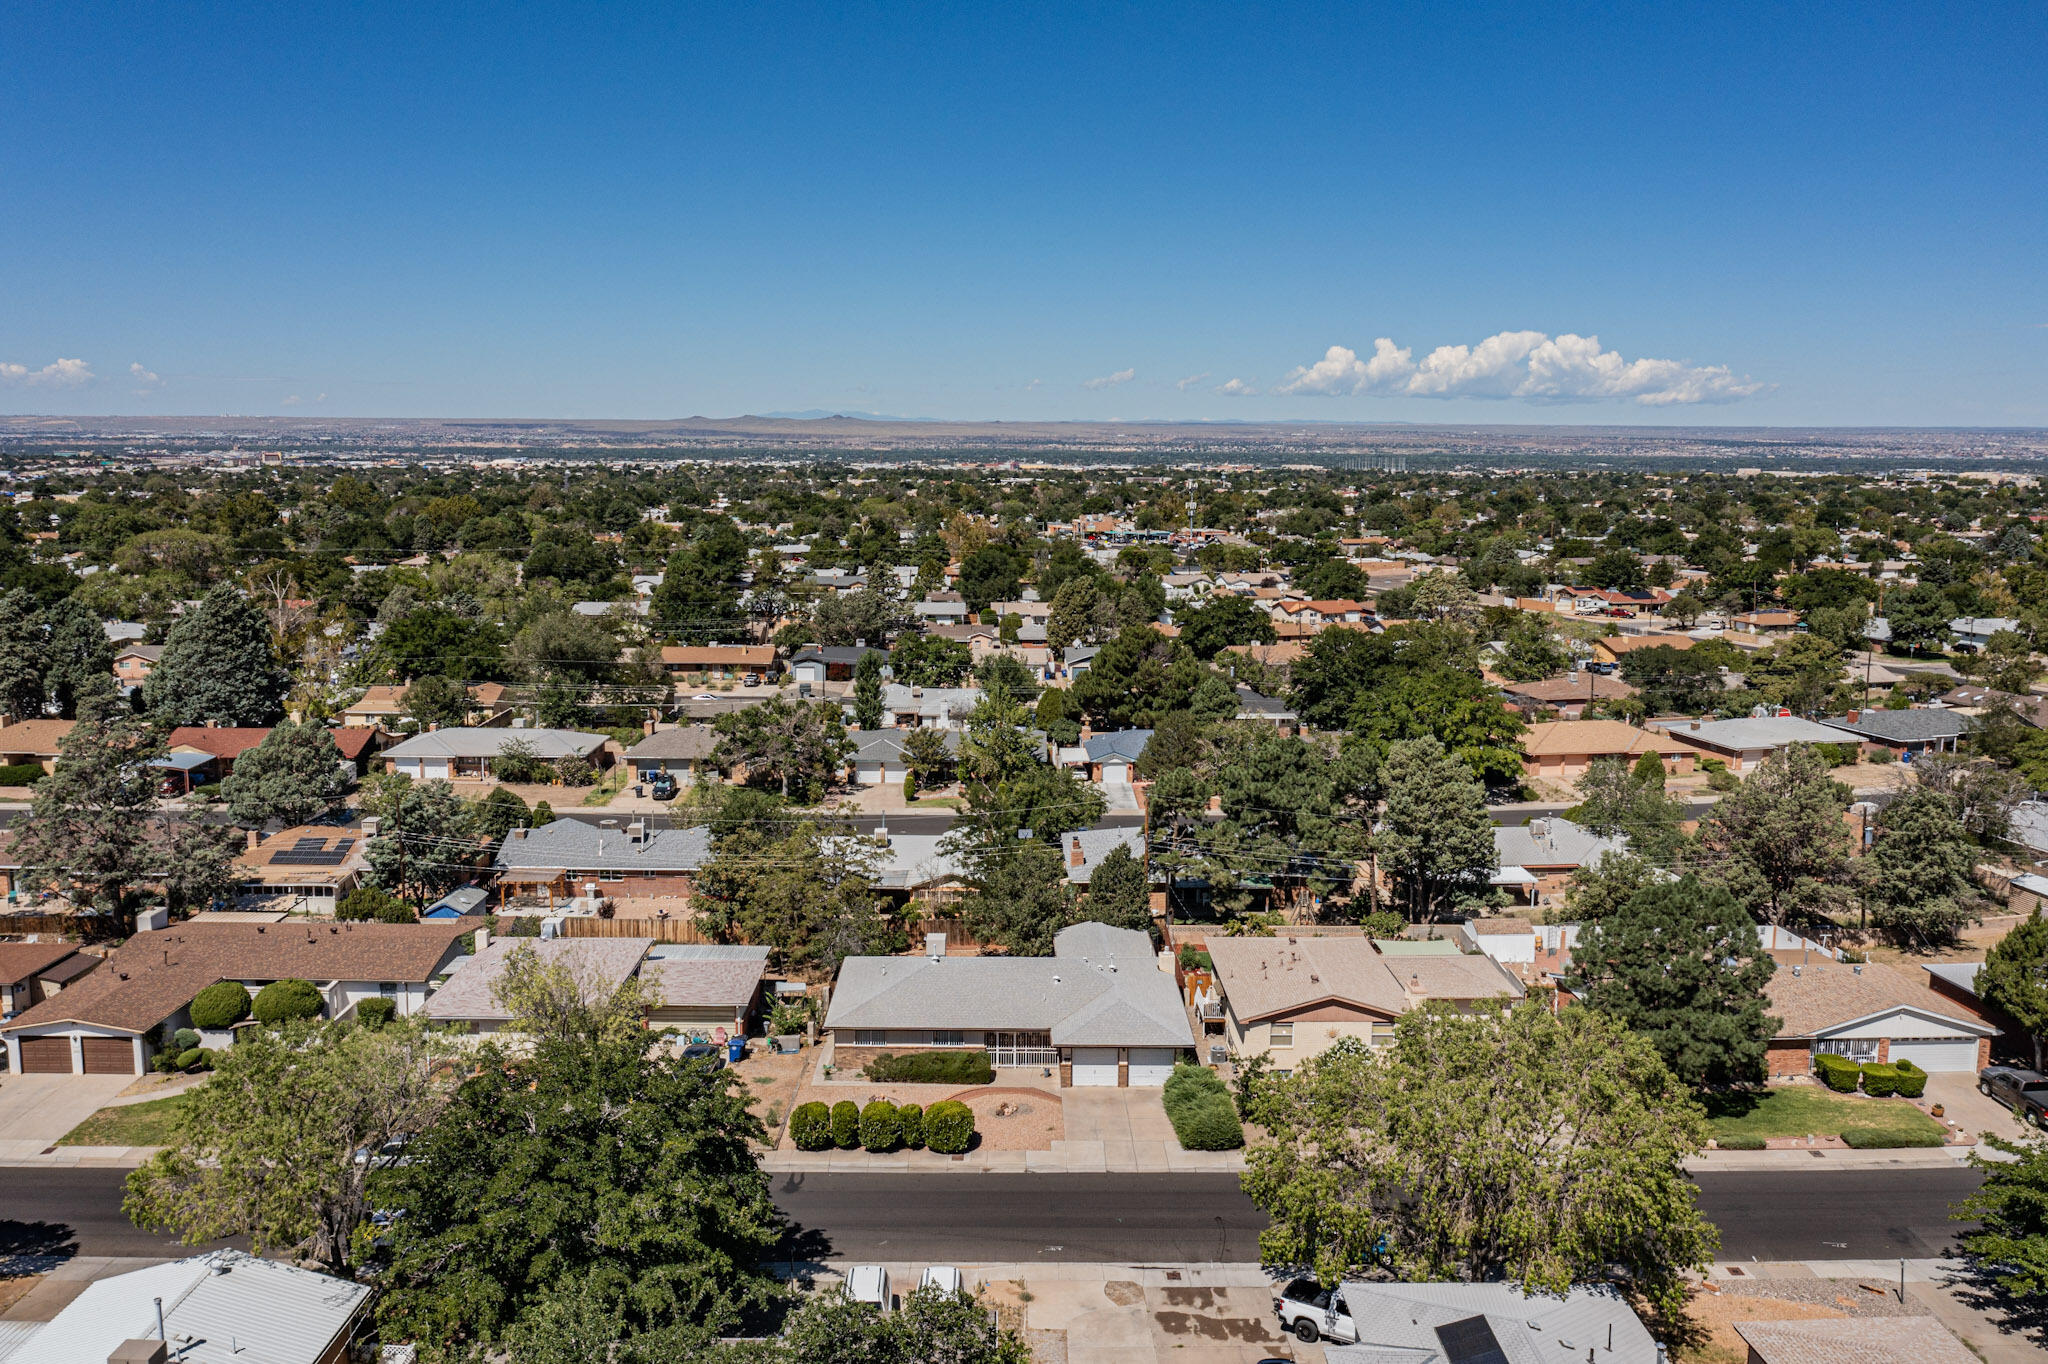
x=46, y=1056
x=109, y=1056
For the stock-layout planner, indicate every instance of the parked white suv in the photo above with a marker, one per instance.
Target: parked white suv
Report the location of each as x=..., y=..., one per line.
x=1314, y=1313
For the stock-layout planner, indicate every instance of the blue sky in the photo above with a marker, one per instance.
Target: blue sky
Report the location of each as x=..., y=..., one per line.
x=1765, y=214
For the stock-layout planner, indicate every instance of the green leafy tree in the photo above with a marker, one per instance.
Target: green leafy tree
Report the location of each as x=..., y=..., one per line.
x=436, y=700
x=266, y=1148
x=932, y=1327
x=1020, y=896
x=928, y=756
x=1224, y=621
x=1777, y=841
x=1601, y=889
x=500, y=812
x=1672, y=680
x=426, y=845
x=1119, y=892
x=1802, y=673
x=2014, y=979
x=698, y=601
x=1177, y=742
x=1679, y=964
x=2007, y=663
x=867, y=691
x=930, y=661
x=21, y=656
x=1294, y=823
x=796, y=746
x=1074, y=612
x=1919, y=875
x=1058, y=716
x=195, y=863
x=434, y=641
x=863, y=617
x=2011, y=1210
x=813, y=898
x=90, y=825
x=1006, y=679
x=217, y=667
x=1436, y=839
x=581, y=1180
x=991, y=574
x=1919, y=618
x=1528, y=650
x=295, y=774
x=77, y=657
x=1615, y=798
x=1139, y=676
x=1406, y=1159
x=369, y=904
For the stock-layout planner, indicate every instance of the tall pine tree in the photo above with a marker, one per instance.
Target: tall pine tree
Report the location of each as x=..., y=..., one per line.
x=79, y=658
x=218, y=668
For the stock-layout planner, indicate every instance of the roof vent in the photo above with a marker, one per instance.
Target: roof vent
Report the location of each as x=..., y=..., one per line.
x=1857, y=968
x=1795, y=970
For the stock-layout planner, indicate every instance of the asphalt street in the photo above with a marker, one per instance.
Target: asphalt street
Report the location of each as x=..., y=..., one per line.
x=1152, y=1218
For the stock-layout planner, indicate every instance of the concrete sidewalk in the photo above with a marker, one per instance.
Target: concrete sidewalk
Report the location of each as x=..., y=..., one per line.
x=1838, y=1158
x=1065, y=1158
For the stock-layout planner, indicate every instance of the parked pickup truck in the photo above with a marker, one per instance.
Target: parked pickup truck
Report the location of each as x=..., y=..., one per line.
x=1313, y=1313
x=2025, y=1092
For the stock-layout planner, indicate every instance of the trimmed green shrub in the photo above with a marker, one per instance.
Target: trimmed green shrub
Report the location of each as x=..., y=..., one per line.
x=810, y=1126
x=1880, y=1081
x=880, y=1130
x=1837, y=1073
x=910, y=1122
x=846, y=1125
x=1912, y=1080
x=184, y=1039
x=194, y=1058
x=221, y=1005
x=1741, y=1143
x=375, y=1013
x=932, y=1068
x=1199, y=1106
x=368, y=904
x=1867, y=1140
x=282, y=1000
x=949, y=1127
x=21, y=774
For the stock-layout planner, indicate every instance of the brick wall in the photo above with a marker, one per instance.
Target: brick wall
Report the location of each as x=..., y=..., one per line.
x=1788, y=1059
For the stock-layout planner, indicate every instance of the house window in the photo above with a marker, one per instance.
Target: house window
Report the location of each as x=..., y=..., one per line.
x=611, y=875
x=948, y=1037
x=1280, y=1035
x=388, y=989
x=1861, y=1050
x=870, y=1037
x=1383, y=1034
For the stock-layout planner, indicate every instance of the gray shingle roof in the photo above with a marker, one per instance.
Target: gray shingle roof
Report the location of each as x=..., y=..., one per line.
x=1903, y=726
x=489, y=743
x=1095, y=845
x=575, y=846
x=1529, y=1330
x=1552, y=842
x=685, y=741
x=1101, y=987
x=598, y=965
x=1128, y=744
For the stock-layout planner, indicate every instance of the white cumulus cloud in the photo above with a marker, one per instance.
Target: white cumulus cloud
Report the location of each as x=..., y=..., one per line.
x=1122, y=376
x=57, y=374
x=1185, y=384
x=1527, y=365
x=291, y=400
x=145, y=378
x=1236, y=388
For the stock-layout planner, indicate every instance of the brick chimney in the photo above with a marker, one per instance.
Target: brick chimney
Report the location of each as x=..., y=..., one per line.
x=1074, y=854
x=254, y=839
x=1854, y=716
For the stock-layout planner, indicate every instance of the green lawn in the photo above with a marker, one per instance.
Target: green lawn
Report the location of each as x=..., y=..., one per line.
x=154, y=1123
x=1811, y=1110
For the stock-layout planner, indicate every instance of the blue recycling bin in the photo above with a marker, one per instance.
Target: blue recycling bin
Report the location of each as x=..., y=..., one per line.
x=736, y=1050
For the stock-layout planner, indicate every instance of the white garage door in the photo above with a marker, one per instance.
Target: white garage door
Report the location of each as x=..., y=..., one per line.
x=1935, y=1055
x=435, y=771
x=1094, y=1066
x=1151, y=1065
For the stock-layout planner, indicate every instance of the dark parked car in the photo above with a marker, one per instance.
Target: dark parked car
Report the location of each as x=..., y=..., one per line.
x=663, y=787
x=704, y=1051
x=2025, y=1092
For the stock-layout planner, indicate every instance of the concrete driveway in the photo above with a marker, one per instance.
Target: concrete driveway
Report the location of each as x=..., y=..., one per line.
x=35, y=1110
x=1127, y=1127
x=1969, y=1110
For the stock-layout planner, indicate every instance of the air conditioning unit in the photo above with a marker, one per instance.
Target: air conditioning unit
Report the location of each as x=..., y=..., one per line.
x=1218, y=1054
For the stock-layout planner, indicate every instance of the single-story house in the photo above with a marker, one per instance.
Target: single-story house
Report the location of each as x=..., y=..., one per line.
x=114, y=1019
x=1100, y=1008
x=462, y=902
x=1871, y=1012
x=315, y=864
x=221, y=1305
x=1744, y=744
x=1077, y=659
x=222, y=743
x=1564, y=750
x=928, y=707
x=1853, y=1340
x=1109, y=759
x=33, y=742
x=1590, y=599
x=1975, y=632
x=31, y=972
x=707, y=991
x=358, y=744
x=880, y=759
x=1489, y=1323
x=1083, y=850
x=599, y=966
x=1568, y=695
x=1974, y=700
x=682, y=751
x=466, y=753
x=1904, y=733
x=1289, y=998
x=941, y=608
x=377, y=706
x=1536, y=860
x=1265, y=710
x=918, y=869
x=729, y=661
x=830, y=664
x=569, y=858
x=1613, y=648
x=981, y=640
x=134, y=663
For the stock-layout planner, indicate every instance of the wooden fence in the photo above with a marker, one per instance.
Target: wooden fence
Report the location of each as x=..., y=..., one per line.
x=671, y=929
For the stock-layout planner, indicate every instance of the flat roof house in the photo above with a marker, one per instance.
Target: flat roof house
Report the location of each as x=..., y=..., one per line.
x=111, y=1022
x=1744, y=744
x=1100, y=1008
x=466, y=754
x=1492, y=1323
x=311, y=865
x=1871, y=1012
x=569, y=858
x=727, y=661
x=1291, y=998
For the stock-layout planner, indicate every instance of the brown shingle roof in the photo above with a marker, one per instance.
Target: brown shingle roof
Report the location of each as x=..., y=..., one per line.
x=1267, y=976
x=21, y=960
x=1596, y=738
x=1574, y=687
x=382, y=700
x=1854, y=1340
x=153, y=975
x=355, y=740
x=1621, y=644
x=229, y=743
x=1826, y=995
x=719, y=655
x=39, y=737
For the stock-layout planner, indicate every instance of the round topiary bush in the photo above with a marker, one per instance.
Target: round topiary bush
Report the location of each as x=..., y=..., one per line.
x=1837, y=1073
x=949, y=1127
x=810, y=1127
x=1912, y=1080
x=375, y=1013
x=194, y=1058
x=220, y=1006
x=184, y=1039
x=879, y=1127
x=910, y=1124
x=282, y=1000
x=1880, y=1080
x=846, y=1125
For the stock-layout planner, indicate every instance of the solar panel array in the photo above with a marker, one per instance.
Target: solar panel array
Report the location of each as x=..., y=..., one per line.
x=313, y=852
